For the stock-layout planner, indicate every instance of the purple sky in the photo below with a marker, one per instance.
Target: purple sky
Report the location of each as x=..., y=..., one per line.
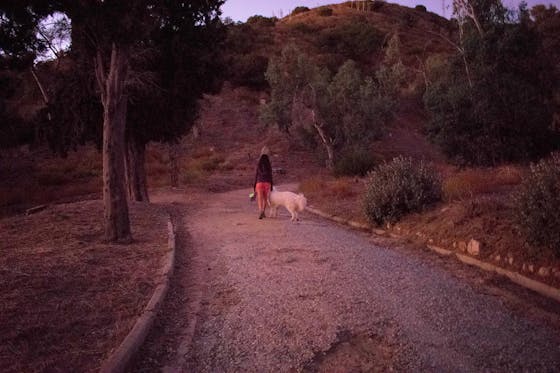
x=240, y=10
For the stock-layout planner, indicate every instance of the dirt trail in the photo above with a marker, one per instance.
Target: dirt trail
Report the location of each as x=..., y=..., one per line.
x=270, y=295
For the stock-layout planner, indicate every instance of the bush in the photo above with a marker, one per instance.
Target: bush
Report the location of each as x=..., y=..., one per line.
x=537, y=205
x=299, y=10
x=356, y=39
x=356, y=162
x=502, y=111
x=421, y=8
x=325, y=12
x=261, y=21
x=400, y=187
x=248, y=70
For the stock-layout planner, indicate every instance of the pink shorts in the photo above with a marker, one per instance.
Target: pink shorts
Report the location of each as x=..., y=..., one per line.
x=263, y=188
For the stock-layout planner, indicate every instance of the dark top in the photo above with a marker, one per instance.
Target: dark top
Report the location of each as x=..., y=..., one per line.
x=264, y=171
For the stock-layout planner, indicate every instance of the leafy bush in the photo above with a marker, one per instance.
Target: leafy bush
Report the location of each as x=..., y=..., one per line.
x=261, y=21
x=356, y=39
x=537, y=205
x=302, y=28
x=325, y=12
x=354, y=162
x=399, y=187
x=248, y=70
x=299, y=10
x=421, y=8
x=501, y=111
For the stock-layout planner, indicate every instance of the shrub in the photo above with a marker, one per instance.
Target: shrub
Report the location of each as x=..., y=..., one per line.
x=537, y=205
x=421, y=8
x=356, y=39
x=354, y=162
x=500, y=112
x=299, y=10
x=325, y=12
x=302, y=28
x=399, y=187
x=248, y=70
x=261, y=21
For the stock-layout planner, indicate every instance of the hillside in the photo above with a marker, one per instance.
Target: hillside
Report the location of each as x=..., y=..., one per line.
x=220, y=154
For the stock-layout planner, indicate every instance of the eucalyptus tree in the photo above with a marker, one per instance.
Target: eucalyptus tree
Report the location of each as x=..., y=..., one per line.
x=106, y=34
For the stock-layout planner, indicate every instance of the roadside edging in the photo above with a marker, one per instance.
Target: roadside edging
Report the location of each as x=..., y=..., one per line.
x=118, y=361
x=534, y=285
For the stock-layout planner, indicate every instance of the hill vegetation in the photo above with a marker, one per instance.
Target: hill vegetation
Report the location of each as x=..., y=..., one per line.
x=348, y=86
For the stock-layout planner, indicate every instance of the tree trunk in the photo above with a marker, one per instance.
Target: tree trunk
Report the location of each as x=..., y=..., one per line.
x=326, y=143
x=174, y=165
x=136, y=171
x=114, y=100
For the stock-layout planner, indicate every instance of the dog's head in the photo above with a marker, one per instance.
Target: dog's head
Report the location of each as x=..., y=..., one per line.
x=301, y=201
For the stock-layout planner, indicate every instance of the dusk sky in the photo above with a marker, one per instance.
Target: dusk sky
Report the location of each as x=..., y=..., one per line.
x=240, y=10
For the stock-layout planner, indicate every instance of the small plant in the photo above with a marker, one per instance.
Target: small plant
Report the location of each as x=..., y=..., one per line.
x=537, y=205
x=356, y=162
x=399, y=187
x=299, y=10
x=325, y=12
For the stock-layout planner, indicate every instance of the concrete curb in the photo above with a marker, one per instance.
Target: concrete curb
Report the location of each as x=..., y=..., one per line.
x=539, y=287
x=122, y=355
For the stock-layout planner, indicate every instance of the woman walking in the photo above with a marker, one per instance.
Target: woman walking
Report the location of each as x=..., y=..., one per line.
x=263, y=181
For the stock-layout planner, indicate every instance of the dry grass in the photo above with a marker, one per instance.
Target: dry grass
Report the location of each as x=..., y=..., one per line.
x=68, y=298
x=337, y=196
x=472, y=182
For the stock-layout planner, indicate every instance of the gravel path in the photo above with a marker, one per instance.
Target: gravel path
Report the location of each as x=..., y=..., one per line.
x=271, y=295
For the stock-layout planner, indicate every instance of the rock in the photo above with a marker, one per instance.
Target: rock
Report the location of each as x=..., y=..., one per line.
x=473, y=247
x=462, y=246
x=497, y=258
x=524, y=267
x=531, y=268
x=510, y=260
x=544, y=271
x=454, y=245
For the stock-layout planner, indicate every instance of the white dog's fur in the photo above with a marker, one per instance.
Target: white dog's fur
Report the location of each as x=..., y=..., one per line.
x=294, y=203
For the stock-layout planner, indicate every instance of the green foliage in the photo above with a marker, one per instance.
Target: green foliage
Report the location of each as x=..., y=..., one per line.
x=356, y=161
x=501, y=111
x=358, y=103
x=299, y=10
x=301, y=27
x=261, y=21
x=248, y=70
x=245, y=53
x=421, y=8
x=345, y=110
x=14, y=131
x=325, y=11
x=356, y=39
x=537, y=206
x=400, y=187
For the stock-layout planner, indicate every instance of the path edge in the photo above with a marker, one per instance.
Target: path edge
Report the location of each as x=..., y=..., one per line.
x=534, y=285
x=119, y=360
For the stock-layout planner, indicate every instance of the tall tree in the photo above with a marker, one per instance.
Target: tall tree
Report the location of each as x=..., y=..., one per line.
x=181, y=62
x=108, y=33
x=501, y=110
x=345, y=110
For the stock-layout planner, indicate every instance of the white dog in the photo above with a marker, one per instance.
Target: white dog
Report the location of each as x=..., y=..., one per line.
x=294, y=203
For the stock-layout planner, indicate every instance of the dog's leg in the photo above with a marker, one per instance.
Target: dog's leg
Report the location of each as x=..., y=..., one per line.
x=294, y=214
